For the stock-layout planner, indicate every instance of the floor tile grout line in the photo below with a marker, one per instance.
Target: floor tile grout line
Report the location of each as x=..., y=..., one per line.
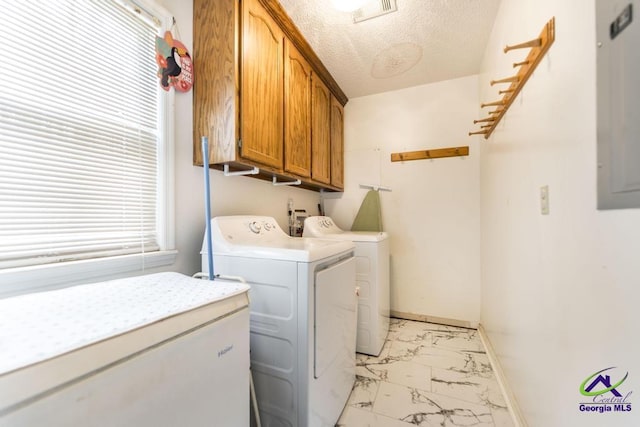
x=376, y=397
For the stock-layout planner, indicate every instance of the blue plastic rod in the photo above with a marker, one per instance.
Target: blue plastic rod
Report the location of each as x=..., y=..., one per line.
x=207, y=205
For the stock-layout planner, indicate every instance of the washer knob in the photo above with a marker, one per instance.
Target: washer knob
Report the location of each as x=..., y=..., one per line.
x=255, y=227
x=267, y=226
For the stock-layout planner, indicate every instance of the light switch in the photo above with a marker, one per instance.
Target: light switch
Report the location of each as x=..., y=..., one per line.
x=544, y=200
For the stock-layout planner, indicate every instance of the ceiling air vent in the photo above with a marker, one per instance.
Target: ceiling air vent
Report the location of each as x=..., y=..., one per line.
x=373, y=9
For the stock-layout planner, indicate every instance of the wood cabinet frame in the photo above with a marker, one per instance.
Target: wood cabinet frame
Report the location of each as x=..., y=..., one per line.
x=218, y=109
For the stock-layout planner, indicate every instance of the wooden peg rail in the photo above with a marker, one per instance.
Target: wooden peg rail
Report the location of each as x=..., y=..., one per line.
x=539, y=48
x=430, y=154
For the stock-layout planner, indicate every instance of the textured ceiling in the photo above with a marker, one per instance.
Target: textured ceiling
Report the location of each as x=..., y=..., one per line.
x=424, y=41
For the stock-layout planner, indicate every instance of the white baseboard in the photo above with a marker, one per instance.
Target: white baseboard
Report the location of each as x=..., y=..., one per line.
x=512, y=403
x=434, y=319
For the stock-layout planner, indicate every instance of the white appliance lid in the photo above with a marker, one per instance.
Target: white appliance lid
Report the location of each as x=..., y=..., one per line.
x=262, y=237
x=43, y=325
x=324, y=227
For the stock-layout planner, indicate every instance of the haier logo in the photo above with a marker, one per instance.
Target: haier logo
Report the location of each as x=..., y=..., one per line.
x=605, y=392
x=225, y=350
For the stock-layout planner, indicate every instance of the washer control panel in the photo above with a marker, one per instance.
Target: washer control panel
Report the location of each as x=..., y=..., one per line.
x=247, y=229
x=261, y=226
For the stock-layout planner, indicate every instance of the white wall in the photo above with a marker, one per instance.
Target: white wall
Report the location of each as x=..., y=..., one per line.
x=432, y=214
x=229, y=195
x=560, y=293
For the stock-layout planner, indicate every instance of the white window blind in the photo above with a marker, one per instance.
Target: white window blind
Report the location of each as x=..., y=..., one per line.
x=79, y=131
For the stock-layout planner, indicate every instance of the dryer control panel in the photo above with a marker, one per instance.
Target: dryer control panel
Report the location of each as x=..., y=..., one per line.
x=318, y=226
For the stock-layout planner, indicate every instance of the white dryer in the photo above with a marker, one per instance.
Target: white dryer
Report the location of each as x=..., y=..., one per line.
x=372, y=276
x=303, y=317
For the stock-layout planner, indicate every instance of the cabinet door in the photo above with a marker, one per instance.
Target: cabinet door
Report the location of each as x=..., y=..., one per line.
x=215, y=97
x=297, y=112
x=320, y=131
x=261, y=93
x=337, y=143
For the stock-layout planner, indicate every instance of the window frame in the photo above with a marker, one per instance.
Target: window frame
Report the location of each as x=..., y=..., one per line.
x=21, y=280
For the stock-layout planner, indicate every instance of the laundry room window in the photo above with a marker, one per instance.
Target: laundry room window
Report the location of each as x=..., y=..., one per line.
x=85, y=133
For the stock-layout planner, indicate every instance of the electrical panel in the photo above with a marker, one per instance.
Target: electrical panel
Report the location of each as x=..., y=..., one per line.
x=618, y=103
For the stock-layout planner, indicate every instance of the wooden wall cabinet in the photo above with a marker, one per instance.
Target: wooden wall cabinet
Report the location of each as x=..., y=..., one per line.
x=297, y=136
x=262, y=96
x=337, y=143
x=320, y=131
x=261, y=93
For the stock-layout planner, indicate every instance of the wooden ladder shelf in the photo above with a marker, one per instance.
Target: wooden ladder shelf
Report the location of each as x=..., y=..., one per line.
x=539, y=48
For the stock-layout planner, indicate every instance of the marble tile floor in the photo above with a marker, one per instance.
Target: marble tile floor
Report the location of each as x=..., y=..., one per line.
x=426, y=375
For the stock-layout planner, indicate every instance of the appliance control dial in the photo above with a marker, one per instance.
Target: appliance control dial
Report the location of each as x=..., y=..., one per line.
x=255, y=227
x=267, y=226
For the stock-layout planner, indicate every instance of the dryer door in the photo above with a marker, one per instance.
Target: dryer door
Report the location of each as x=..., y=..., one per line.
x=335, y=312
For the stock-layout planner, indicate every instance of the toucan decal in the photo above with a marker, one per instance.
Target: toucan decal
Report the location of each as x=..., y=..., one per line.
x=176, y=67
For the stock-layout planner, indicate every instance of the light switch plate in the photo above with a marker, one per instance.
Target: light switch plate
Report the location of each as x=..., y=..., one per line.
x=544, y=200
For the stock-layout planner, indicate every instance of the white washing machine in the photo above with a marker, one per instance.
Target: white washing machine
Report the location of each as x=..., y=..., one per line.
x=372, y=276
x=156, y=350
x=303, y=317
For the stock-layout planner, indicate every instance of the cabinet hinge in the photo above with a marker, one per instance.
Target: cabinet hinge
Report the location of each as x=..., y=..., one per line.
x=240, y=143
